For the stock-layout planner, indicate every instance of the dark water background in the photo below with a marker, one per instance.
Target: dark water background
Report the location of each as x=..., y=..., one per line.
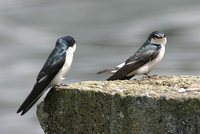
x=107, y=32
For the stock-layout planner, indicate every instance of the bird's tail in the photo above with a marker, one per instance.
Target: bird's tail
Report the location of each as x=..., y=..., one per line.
x=109, y=71
x=32, y=98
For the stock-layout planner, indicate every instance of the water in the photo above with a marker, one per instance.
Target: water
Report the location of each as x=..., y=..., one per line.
x=107, y=32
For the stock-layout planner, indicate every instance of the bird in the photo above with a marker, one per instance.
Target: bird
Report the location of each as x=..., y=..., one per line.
x=53, y=71
x=144, y=59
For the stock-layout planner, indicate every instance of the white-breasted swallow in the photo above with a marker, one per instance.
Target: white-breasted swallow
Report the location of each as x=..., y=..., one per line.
x=143, y=61
x=53, y=72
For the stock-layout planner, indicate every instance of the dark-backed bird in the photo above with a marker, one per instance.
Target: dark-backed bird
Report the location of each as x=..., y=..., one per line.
x=143, y=61
x=53, y=72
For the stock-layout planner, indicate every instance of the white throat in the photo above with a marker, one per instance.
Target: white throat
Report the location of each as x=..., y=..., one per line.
x=162, y=41
x=72, y=49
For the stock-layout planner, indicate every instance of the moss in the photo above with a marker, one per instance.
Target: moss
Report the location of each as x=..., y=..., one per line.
x=150, y=105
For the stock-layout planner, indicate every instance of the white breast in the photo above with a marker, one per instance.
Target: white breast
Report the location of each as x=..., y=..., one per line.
x=151, y=64
x=64, y=70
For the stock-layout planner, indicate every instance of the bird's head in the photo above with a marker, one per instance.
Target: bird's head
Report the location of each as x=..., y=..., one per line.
x=157, y=37
x=66, y=42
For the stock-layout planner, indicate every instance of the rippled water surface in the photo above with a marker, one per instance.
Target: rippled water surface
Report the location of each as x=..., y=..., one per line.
x=107, y=32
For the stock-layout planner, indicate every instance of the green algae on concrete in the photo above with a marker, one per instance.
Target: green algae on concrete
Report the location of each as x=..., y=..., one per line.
x=153, y=105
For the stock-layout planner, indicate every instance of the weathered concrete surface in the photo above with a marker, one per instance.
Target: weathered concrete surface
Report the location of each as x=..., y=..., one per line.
x=157, y=105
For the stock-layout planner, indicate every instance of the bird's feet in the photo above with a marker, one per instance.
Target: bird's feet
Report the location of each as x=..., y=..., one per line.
x=61, y=84
x=148, y=76
x=155, y=75
x=56, y=86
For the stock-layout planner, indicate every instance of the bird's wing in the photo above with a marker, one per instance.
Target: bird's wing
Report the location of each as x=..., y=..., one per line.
x=52, y=66
x=141, y=57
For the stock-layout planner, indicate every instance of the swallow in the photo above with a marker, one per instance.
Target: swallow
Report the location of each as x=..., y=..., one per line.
x=53, y=72
x=143, y=61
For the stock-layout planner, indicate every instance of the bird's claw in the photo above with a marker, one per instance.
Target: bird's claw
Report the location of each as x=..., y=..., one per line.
x=146, y=76
x=59, y=86
x=56, y=86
